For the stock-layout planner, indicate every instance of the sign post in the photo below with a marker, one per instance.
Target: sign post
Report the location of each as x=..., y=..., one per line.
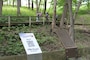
x=31, y=46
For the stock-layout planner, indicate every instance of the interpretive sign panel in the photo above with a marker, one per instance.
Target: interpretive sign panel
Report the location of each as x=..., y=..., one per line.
x=31, y=46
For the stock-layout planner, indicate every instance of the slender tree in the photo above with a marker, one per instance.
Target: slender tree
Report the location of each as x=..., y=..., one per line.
x=45, y=6
x=1, y=7
x=71, y=19
x=32, y=5
x=37, y=6
x=18, y=7
x=64, y=15
x=77, y=9
x=2, y=3
x=28, y=4
x=7, y=3
x=54, y=15
x=88, y=5
x=13, y=2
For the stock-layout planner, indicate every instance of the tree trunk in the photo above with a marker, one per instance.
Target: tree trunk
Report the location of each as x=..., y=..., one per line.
x=54, y=15
x=7, y=2
x=1, y=7
x=28, y=4
x=20, y=3
x=32, y=5
x=71, y=19
x=64, y=15
x=45, y=6
x=37, y=6
x=13, y=3
x=88, y=5
x=18, y=7
x=2, y=2
x=77, y=9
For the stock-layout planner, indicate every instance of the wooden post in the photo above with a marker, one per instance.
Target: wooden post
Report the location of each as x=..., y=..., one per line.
x=9, y=23
x=30, y=23
x=43, y=21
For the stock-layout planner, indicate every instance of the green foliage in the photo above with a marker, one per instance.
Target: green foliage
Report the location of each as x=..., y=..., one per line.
x=10, y=42
x=60, y=3
x=3, y=19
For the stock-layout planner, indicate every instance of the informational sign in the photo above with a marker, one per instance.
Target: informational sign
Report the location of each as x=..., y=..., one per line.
x=30, y=43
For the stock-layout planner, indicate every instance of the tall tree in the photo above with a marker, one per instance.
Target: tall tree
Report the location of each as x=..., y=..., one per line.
x=32, y=5
x=88, y=5
x=1, y=7
x=29, y=4
x=18, y=7
x=64, y=15
x=7, y=2
x=2, y=3
x=37, y=6
x=13, y=2
x=45, y=6
x=54, y=15
x=71, y=19
x=77, y=9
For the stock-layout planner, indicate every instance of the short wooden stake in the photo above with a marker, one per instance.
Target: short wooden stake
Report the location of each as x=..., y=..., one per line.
x=9, y=23
x=43, y=21
x=30, y=23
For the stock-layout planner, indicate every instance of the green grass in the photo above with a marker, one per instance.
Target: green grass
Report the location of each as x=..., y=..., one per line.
x=83, y=19
x=12, y=11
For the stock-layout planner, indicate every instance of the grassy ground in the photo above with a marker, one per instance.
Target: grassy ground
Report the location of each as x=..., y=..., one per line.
x=7, y=11
x=83, y=19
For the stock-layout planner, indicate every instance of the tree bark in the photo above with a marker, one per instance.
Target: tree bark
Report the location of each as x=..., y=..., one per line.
x=77, y=9
x=64, y=15
x=71, y=20
x=18, y=7
x=37, y=6
x=2, y=2
x=88, y=5
x=13, y=3
x=54, y=15
x=1, y=7
x=7, y=2
x=45, y=6
x=28, y=4
x=32, y=5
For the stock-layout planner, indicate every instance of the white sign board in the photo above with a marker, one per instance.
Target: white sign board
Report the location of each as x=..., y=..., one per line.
x=30, y=43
